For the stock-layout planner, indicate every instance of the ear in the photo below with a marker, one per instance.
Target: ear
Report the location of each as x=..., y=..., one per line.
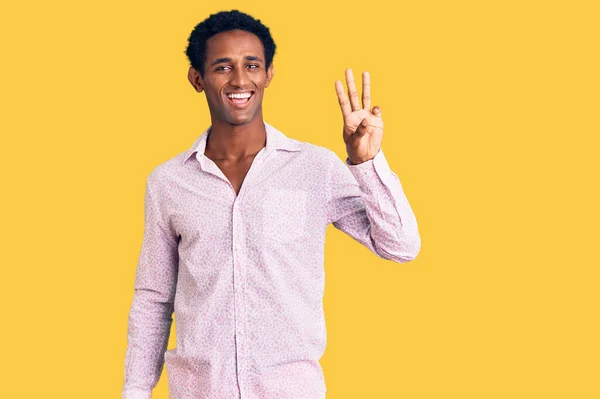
x=195, y=79
x=270, y=73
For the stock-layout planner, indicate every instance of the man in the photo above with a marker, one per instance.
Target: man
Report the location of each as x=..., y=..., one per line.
x=235, y=229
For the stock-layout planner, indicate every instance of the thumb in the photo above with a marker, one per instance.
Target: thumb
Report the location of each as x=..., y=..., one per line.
x=362, y=128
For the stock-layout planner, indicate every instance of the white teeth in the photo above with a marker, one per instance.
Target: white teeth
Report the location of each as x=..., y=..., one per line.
x=242, y=95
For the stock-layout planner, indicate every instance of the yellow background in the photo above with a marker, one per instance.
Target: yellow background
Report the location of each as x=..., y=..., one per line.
x=491, y=114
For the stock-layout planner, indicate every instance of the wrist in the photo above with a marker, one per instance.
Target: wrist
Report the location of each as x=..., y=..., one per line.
x=352, y=161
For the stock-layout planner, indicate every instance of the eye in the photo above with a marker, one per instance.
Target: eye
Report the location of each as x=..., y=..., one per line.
x=253, y=66
x=221, y=68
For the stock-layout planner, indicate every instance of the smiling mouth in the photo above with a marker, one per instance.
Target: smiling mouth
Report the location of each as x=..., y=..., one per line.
x=240, y=98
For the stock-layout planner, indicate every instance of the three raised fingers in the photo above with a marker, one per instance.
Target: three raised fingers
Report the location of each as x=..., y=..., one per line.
x=353, y=105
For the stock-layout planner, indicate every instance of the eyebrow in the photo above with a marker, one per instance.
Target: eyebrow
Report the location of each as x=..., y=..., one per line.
x=248, y=57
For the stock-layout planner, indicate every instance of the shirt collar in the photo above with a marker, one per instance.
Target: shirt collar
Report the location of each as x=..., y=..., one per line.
x=275, y=140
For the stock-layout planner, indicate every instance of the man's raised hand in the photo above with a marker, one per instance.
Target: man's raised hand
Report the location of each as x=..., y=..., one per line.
x=363, y=126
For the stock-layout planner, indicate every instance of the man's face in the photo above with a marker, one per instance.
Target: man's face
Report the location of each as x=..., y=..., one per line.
x=234, y=67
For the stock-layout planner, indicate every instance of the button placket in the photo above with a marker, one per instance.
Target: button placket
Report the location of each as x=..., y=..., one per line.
x=239, y=278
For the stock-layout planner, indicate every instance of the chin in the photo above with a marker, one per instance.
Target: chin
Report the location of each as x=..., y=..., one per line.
x=239, y=121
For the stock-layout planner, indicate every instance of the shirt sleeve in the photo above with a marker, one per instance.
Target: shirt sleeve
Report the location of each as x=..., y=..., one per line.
x=150, y=316
x=367, y=202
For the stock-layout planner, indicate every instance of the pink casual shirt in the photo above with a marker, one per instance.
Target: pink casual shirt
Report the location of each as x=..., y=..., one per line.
x=244, y=274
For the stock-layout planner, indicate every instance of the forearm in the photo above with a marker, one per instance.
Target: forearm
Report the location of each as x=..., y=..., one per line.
x=150, y=320
x=393, y=226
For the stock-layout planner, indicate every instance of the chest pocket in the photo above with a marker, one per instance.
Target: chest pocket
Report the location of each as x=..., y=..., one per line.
x=284, y=214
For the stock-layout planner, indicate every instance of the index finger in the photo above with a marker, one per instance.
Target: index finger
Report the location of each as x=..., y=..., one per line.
x=342, y=99
x=352, y=89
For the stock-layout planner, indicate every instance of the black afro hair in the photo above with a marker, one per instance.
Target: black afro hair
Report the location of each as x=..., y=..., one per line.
x=221, y=22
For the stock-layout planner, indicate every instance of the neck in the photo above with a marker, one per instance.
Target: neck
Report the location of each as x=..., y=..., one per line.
x=233, y=143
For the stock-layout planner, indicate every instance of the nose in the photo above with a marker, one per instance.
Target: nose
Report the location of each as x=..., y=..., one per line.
x=240, y=77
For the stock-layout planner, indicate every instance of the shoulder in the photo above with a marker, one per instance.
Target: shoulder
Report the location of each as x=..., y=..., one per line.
x=166, y=171
x=317, y=153
x=328, y=156
x=310, y=150
x=327, y=161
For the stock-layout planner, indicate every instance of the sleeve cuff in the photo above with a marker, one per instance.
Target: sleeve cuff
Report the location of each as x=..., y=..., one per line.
x=137, y=394
x=378, y=164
